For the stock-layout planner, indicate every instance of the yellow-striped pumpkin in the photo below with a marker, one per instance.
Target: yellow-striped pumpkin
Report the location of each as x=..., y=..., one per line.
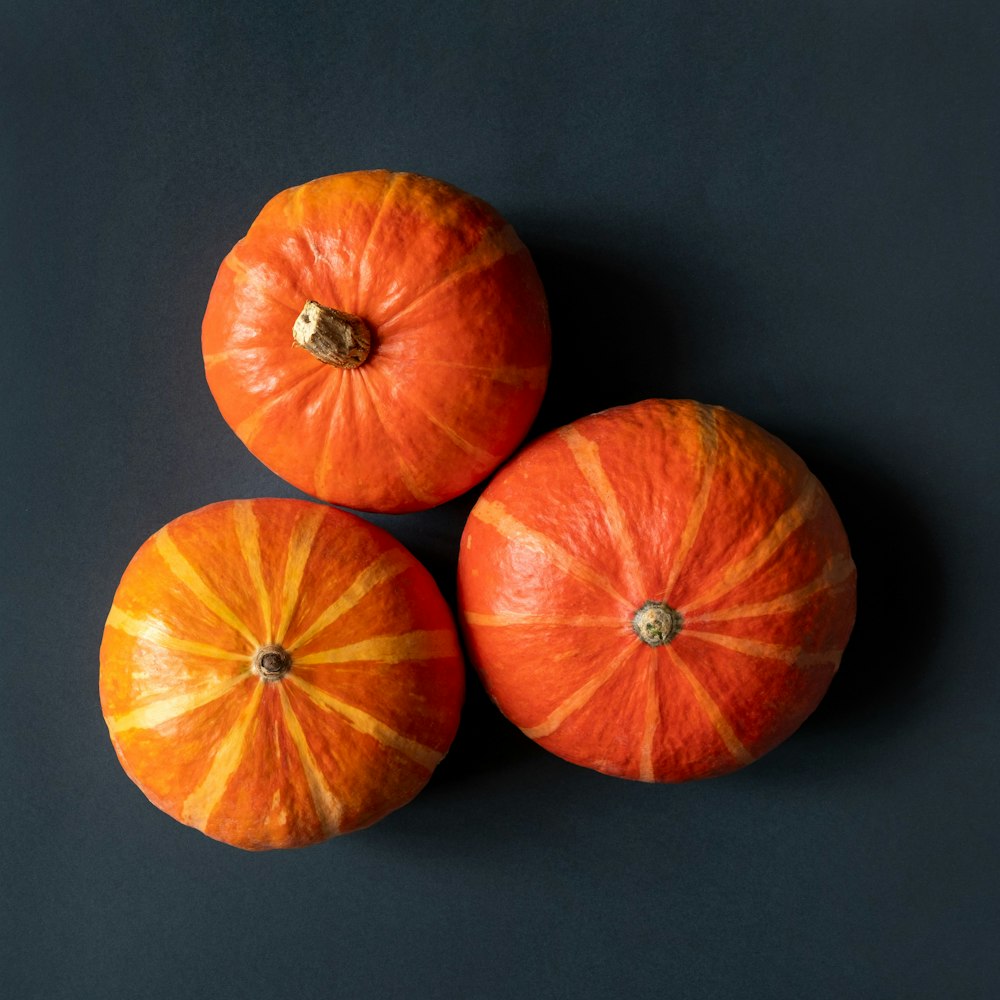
x=275, y=672
x=661, y=591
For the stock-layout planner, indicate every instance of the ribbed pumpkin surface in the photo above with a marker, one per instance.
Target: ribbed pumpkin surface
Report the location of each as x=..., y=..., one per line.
x=365, y=685
x=685, y=523
x=460, y=340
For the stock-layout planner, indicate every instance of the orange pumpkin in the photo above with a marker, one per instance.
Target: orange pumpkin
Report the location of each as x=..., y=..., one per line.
x=274, y=672
x=380, y=340
x=661, y=591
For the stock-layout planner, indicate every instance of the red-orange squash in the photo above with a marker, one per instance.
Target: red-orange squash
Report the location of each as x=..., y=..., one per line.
x=380, y=340
x=661, y=591
x=274, y=672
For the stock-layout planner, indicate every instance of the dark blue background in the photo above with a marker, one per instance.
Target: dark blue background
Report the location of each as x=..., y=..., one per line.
x=790, y=209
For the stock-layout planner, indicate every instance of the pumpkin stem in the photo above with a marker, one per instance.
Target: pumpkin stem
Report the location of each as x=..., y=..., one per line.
x=657, y=623
x=331, y=336
x=271, y=662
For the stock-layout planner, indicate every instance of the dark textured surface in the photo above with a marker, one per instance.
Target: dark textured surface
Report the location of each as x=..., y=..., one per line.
x=789, y=209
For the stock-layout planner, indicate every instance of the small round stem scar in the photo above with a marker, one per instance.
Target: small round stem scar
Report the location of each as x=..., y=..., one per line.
x=656, y=623
x=271, y=663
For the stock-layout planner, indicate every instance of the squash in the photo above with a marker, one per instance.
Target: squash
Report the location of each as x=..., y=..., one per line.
x=274, y=672
x=661, y=591
x=379, y=340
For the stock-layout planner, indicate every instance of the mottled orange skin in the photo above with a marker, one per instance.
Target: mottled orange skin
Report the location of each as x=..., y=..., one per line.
x=217, y=747
x=667, y=501
x=461, y=342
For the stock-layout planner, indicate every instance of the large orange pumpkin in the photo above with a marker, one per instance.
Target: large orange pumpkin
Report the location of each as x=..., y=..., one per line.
x=274, y=672
x=378, y=339
x=661, y=591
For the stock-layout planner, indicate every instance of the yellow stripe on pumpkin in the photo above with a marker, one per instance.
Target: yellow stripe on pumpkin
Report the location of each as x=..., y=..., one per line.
x=361, y=289
x=200, y=804
x=712, y=710
x=154, y=632
x=248, y=428
x=578, y=698
x=519, y=377
x=709, y=450
x=329, y=809
x=163, y=710
x=407, y=647
x=189, y=576
x=495, y=514
x=218, y=357
x=371, y=726
x=408, y=473
x=798, y=514
x=492, y=247
x=336, y=393
x=588, y=460
x=388, y=565
x=549, y=621
x=480, y=454
x=820, y=659
x=299, y=548
x=792, y=655
x=248, y=535
x=651, y=721
x=751, y=647
x=836, y=571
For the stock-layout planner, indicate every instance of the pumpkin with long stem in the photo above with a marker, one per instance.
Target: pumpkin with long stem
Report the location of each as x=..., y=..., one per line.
x=380, y=340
